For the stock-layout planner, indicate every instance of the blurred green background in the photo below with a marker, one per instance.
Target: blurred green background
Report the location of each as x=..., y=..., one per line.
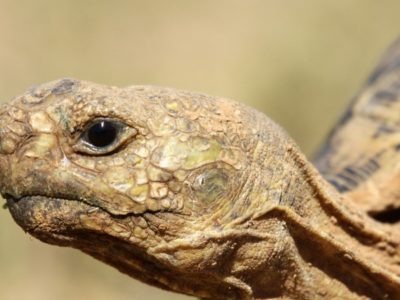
x=297, y=61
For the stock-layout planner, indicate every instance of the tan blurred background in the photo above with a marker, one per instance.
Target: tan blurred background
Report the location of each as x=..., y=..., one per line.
x=297, y=61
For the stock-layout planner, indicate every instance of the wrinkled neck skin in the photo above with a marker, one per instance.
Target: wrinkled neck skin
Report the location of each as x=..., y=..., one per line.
x=201, y=195
x=298, y=238
x=323, y=247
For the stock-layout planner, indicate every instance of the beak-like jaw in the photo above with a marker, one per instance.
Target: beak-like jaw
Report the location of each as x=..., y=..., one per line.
x=51, y=220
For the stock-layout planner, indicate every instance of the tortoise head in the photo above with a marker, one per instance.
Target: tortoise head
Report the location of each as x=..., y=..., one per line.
x=153, y=181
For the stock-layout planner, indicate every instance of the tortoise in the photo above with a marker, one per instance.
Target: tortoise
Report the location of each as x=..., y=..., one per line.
x=208, y=197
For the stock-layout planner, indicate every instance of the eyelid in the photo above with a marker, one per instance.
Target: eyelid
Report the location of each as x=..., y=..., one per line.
x=124, y=133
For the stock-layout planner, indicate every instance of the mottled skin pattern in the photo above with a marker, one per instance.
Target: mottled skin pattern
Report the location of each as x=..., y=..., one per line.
x=361, y=155
x=197, y=194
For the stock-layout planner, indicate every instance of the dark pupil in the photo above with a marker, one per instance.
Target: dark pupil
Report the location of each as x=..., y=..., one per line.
x=102, y=134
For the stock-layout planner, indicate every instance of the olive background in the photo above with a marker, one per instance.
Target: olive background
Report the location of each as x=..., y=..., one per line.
x=298, y=61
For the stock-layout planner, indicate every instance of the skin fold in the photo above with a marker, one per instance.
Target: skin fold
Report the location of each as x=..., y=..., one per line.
x=203, y=195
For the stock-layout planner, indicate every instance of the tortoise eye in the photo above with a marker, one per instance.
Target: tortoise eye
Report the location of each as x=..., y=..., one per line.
x=103, y=136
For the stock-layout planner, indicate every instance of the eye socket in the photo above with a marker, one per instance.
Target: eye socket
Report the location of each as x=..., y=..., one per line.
x=103, y=136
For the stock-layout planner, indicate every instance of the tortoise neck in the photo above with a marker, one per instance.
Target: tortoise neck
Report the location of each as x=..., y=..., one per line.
x=320, y=237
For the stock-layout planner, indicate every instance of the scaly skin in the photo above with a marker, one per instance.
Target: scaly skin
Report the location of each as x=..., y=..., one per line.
x=199, y=195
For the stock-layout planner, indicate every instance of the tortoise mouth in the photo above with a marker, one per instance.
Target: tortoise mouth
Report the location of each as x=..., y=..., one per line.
x=47, y=215
x=30, y=201
x=12, y=200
